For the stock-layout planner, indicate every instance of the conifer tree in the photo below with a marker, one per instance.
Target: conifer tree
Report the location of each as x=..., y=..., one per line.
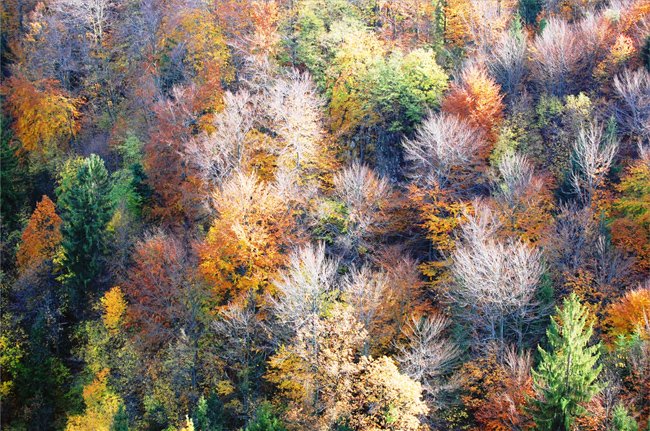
x=566, y=377
x=84, y=199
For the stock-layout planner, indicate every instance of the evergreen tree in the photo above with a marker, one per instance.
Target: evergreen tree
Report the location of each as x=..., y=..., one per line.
x=622, y=421
x=84, y=200
x=265, y=420
x=566, y=378
x=12, y=177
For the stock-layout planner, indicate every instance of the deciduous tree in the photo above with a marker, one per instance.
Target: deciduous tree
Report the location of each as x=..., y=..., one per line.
x=41, y=237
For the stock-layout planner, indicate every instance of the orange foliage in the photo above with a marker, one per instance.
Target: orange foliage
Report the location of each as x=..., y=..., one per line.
x=45, y=117
x=179, y=195
x=630, y=313
x=155, y=289
x=504, y=409
x=631, y=210
x=480, y=23
x=477, y=99
x=246, y=242
x=206, y=54
x=266, y=17
x=41, y=237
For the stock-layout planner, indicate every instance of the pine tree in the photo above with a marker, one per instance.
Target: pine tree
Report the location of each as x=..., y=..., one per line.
x=622, y=421
x=566, y=378
x=84, y=200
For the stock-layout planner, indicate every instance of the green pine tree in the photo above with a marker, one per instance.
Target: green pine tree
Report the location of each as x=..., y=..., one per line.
x=265, y=420
x=622, y=421
x=84, y=200
x=566, y=377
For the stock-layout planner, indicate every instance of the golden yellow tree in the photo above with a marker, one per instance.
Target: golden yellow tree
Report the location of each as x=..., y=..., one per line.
x=102, y=404
x=45, y=116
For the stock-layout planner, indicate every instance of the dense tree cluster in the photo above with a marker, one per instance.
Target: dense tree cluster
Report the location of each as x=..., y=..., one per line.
x=340, y=215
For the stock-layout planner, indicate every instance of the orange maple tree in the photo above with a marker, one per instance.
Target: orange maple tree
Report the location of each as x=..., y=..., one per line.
x=477, y=98
x=41, y=237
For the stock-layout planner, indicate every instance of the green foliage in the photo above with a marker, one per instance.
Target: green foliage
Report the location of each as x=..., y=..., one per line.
x=84, y=201
x=645, y=53
x=120, y=420
x=566, y=377
x=12, y=179
x=404, y=87
x=265, y=420
x=622, y=421
x=529, y=9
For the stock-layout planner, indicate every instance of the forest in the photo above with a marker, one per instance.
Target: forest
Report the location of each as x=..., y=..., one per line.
x=327, y=215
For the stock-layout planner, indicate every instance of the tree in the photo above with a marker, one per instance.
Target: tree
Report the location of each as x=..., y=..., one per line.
x=622, y=421
x=94, y=15
x=366, y=200
x=566, y=377
x=265, y=420
x=496, y=283
x=245, y=243
x=303, y=288
x=633, y=107
x=179, y=195
x=45, y=116
x=504, y=407
x=443, y=146
x=521, y=198
x=222, y=151
x=594, y=152
x=41, y=237
x=83, y=197
x=315, y=371
x=294, y=108
x=476, y=98
x=508, y=62
x=427, y=356
x=102, y=406
x=157, y=286
x=114, y=309
x=556, y=54
x=630, y=313
x=383, y=398
x=366, y=292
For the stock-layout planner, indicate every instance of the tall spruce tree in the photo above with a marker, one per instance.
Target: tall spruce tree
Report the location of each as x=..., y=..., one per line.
x=84, y=200
x=566, y=378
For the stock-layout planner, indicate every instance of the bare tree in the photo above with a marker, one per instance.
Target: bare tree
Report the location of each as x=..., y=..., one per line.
x=243, y=335
x=93, y=14
x=218, y=154
x=507, y=63
x=366, y=291
x=442, y=144
x=495, y=283
x=593, y=155
x=556, y=53
x=516, y=175
x=633, y=109
x=302, y=289
x=428, y=356
x=365, y=196
x=294, y=108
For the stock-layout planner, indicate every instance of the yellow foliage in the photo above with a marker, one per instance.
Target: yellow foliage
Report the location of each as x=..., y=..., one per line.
x=101, y=406
x=45, y=117
x=114, y=309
